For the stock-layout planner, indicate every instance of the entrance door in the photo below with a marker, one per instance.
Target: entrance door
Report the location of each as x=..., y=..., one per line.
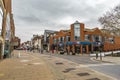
x=90, y=48
x=84, y=49
x=77, y=49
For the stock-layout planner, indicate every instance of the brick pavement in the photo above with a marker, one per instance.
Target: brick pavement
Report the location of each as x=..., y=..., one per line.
x=34, y=66
x=26, y=67
x=68, y=70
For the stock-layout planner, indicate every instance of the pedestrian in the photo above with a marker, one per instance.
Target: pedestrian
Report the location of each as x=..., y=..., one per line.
x=96, y=54
x=53, y=47
x=42, y=51
x=67, y=50
x=83, y=50
x=52, y=51
x=39, y=49
x=33, y=49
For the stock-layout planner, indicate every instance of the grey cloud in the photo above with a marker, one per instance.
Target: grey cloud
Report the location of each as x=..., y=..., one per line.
x=47, y=14
x=29, y=19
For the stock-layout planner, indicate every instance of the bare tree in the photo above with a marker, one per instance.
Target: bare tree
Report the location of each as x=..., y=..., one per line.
x=111, y=21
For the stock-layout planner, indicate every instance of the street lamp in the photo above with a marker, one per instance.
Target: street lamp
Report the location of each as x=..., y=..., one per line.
x=100, y=49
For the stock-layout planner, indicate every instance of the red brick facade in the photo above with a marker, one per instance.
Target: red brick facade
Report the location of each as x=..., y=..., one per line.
x=90, y=40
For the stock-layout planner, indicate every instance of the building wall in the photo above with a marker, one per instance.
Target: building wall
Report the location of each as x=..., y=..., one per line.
x=117, y=40
x=72, y=32
x=107, y=45
x=82, y=32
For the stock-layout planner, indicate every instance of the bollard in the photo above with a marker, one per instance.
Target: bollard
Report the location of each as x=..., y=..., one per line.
x=19, y=55
x=96, y=55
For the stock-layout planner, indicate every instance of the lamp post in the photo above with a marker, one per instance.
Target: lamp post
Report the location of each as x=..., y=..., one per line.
x=100, y=49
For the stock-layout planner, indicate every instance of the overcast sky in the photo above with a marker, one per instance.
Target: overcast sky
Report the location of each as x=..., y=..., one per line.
x=34, y=16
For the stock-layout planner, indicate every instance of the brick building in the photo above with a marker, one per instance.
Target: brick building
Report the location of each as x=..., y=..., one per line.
x=81, y=40
x=16, y=42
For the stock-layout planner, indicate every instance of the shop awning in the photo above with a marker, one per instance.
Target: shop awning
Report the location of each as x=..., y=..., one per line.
x=69, y=43
x=61, y=44
x=82, y=43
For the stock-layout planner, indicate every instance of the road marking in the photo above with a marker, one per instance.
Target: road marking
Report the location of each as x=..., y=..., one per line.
x=99, y=64
x=91, y=65
x=24, y=60
x=37, y=63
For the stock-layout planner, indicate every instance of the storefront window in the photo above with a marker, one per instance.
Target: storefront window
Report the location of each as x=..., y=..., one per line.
x=100, y=38
x=55, y=40
x=61, y=39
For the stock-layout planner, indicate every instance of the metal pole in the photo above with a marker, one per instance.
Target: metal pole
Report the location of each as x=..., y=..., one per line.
x=100, y=55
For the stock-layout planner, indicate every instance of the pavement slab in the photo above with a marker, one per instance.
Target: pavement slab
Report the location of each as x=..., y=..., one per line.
x=72, y=74
x=24, y=68
x=35, y=66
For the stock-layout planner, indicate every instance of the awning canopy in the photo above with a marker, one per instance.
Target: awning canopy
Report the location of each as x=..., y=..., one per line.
x=69, y=43
x=82, y=43
x=61, y=44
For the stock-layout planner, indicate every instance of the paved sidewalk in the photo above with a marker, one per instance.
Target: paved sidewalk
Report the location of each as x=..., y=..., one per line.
x=68, y=70
x=34, y=66
x=24, y=67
